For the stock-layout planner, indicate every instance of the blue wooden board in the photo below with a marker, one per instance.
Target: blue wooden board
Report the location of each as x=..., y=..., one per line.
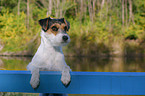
x=116, y=83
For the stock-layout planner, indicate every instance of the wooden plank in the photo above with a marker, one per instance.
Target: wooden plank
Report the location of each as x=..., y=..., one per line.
x=118, y=83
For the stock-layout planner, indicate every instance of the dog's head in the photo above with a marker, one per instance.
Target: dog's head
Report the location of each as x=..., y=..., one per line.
x=56, y=30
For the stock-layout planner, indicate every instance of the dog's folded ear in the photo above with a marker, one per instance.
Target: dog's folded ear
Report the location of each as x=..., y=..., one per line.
x=67, y=23
x=44, y=23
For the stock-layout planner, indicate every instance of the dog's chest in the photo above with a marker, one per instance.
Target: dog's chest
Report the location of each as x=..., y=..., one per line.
x=49, y=56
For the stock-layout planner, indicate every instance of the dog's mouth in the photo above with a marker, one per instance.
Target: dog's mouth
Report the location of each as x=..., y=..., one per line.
x=64, y=42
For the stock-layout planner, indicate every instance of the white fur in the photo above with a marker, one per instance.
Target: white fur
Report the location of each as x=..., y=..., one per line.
x=49, y=57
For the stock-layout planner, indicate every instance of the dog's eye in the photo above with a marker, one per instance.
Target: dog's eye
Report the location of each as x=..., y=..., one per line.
x=65, y=28
x=54, y=28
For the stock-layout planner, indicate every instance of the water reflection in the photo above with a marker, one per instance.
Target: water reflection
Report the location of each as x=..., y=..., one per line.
x=14, y=63
x=112, y=64
x=108, y=64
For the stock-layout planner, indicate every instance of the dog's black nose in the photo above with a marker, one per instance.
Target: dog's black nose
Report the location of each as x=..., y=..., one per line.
x=65, y=38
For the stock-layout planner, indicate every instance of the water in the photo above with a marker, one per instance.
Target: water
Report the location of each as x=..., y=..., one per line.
x=94, y=64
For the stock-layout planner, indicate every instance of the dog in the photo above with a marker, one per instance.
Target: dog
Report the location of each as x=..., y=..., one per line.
x=49, y=55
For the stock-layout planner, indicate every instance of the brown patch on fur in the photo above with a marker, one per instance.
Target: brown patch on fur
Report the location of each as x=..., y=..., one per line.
x=46, y=25
x=63, y=26
x=60, y=27
x=65, y=23
x=48, y=31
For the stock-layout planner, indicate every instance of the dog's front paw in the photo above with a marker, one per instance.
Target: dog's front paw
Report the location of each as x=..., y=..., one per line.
x=34, y=82
x=66, y=78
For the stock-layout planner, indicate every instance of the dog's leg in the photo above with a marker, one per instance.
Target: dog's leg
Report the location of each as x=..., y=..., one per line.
x=35, y=77
x=60, y=65
x=65, y=77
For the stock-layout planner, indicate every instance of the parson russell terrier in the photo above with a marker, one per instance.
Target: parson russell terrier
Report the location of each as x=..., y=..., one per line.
x=49, y=56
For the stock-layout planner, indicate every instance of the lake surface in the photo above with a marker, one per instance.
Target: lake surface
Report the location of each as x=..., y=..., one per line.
x=93, y=64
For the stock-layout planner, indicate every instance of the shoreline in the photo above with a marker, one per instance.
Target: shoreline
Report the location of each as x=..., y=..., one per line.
x=27, y=54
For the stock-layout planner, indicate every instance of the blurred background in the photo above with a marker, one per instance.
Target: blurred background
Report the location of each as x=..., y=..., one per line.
x=106, y=35
x=98, y=27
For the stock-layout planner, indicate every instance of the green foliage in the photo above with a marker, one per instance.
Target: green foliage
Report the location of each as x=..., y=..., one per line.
x=135, y=30
x=13, y=31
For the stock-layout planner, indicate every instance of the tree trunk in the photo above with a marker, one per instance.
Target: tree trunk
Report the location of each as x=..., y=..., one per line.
x=123, y=12
x=130, y=12
x=27, y=14
x=61, y=9
x=102, y=4
x=110, y=16
x=126, y=19
x=62, y=12
x=90, y=10
x=75, y=7
x=57, y=9
x=81, y=10
x=49, y=8
x=85, y=9
x=98, y=5
x=107, y=9
x=19, y=7
x=94, y=2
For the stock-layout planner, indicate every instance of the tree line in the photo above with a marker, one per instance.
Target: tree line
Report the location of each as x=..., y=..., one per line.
x=92, y=21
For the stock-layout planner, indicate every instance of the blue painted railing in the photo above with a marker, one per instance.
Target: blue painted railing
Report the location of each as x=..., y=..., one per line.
x=119, y=83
